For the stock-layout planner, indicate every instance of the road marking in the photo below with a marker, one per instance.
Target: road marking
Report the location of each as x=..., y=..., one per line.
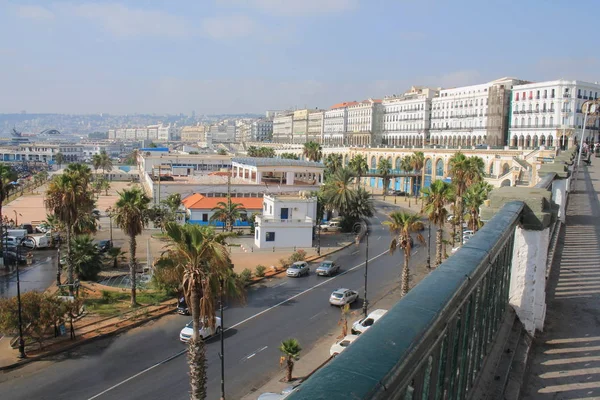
x=317, y=314
x=138, y=374
x=356, y=252
x=250, y=356
x=281, y=284
x=379, y=238
x=236, y=325
x=253, y=354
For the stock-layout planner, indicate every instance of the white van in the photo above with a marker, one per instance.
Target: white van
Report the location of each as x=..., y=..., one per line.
x=37, y=242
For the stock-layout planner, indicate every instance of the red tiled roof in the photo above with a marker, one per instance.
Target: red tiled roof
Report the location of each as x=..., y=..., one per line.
x=199, y=202
x=344, y=104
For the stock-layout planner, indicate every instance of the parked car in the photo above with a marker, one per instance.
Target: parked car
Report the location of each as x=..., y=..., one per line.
x=298, y=269
x=104, y=245
x=11, y=241
x=398, y=193
x=362, y=325
x=205, y=332
x=182, y=307
x=278, y=396
x=331, y=226
x=341, y=297
x=327, y=268
x=341, y=345
x=10, y=257
x=28, y=228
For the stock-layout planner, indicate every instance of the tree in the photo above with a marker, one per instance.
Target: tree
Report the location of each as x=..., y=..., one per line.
x=312, y=151
x=289, y=156
x=105, y=185
x=172, y=202
x=464, y=172
x=291, y=350
x=362, y=205
x=473, y=199
x=437, y=196
x=70, y=199
x=96, y=162
x=333, y=163
x=385, y=170
x=359, y=165
x=7, y=175
x=86, y=257
x=227, y=212
x=132, y=158
x=417, y=161
x=222, y=152
x=114, y=255
x=105, y=162
x=406, y=165
x=338, y=192
x=131, y=215
x=204, y=257
x=402, y=224
x=60, y=159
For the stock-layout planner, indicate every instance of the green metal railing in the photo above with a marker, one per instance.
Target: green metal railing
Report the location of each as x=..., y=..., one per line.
x=432, y=344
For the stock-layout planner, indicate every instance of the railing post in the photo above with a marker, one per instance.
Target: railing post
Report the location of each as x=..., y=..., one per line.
x=527, y=293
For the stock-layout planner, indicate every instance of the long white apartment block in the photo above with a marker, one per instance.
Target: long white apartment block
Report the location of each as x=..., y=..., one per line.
x=550, y=114
x=335, y=122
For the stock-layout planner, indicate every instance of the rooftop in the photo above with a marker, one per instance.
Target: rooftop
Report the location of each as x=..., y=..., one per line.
x=198, y=201
x=274, y=162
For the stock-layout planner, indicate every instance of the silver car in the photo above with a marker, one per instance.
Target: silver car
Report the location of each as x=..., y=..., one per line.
x=327, y=268
x=298, y=269
x=342, y=297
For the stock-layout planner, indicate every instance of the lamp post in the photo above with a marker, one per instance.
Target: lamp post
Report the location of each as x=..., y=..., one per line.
x=16, y=217
x=588, y=107
x=20, y=311
x=58, y=264
x=319, y=239
x=358, y=227
x=429, y=246
x=222, y=338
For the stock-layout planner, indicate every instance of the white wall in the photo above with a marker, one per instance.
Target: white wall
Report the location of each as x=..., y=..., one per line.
x=285, y=236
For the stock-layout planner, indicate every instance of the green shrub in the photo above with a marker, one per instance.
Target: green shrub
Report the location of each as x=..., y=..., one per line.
x=246, y=276
x=299, y=255
x=260, y=271
x=284, y=263
x=106, y=297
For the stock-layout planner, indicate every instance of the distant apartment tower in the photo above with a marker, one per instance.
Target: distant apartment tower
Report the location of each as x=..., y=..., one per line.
x=406, y=118
x=262, y=130
x=193, y=134
x=549, y=113
x=300, y=123
x=282, y=127
x=315, y=126
x=221, y=133
x=365, y=121
x=335, y=122
x=472, y=115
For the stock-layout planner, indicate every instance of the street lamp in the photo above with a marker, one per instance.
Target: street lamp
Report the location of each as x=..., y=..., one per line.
x=16, y=217
x=319, y=239
x=429, y=246
x=20, y=310
x=588, y=107
x=58, y=264
x=358, y=228
x=222, y=338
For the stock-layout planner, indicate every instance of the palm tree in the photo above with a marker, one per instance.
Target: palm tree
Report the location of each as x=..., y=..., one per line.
x=333, y=163
x=60, y=159
x=402, y=224
x=96, y=162
x=406, y=165
x=385, y=169
x=437, y=196
x=418, y=162
x=291, y=350
x=473, y=199
x=69, y=197
x=105, y=162
x=7, y=175
x=173, y=201
x=105, y=185
x=289, y=156
x=312, y=151
x=131, y=215
x=227, y=212
x=205, y=260
x=359, y=165
x=87, y=261
x=338, y=192
x=464, y=172
x=362, y=205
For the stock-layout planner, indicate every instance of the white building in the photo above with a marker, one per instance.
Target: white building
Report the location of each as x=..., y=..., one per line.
x=262, y=130
x=365, y=120
x=471, y=115
x=315, y=126
x=221, y=133
x=335, y=122
x=406, y=118
x=193, y=134
x=282, y=128
x=544, y=112
x=286, y=221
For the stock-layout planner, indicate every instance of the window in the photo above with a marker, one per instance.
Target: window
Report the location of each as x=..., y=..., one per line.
x=552, y=93
x=516, y=98
x=204, y=217
x=256, y=234
x=270, y=237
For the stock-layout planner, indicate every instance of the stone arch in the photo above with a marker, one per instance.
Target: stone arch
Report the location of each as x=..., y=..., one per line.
x=491, y=168
x=542, y=140
x=505, y=168
x=521, y=141
x=528, y=141
x=514, y=141
x=439, y=168
x=550, y=140
x=397, y=163
x=505, y=182
x=535, y=141
x=373, y=162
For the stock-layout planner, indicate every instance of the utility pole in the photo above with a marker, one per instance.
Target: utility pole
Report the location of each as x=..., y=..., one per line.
x=429, y=246
x=158, y=198
x=21, y=340
x=366, y=302
x=222, y=354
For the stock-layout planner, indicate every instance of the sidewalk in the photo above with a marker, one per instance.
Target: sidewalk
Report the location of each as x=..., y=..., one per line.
x=565, y=361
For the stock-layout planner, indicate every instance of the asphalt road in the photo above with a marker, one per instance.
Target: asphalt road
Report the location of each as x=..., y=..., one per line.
x=149, y=363
x=37, y=276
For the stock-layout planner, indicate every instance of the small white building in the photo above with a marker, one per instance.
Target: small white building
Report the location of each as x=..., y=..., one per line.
x=286, y=221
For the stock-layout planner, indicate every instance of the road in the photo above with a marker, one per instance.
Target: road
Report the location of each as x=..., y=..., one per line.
x=150, y=363
x=34, y=277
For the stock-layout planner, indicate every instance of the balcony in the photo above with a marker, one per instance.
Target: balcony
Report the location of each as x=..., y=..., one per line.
x=290, y=222
x=566, y=95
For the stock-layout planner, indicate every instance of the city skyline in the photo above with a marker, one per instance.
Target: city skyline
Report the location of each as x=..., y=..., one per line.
x=247, y=56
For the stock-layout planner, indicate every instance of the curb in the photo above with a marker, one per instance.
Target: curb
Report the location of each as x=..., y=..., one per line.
x=310, y=259
x=75, y=344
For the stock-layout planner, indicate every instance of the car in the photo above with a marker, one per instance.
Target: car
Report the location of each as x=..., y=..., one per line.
x=363, y=324
x=332, y=226
x=104, y=245
x=205, y=332
x=182, y=307
x=10, y=257
x=327, y=268
x=278, y=396
x=341, y=345
x=468, y=232
x=399, y=193
x=298, y=269
x=341, y=297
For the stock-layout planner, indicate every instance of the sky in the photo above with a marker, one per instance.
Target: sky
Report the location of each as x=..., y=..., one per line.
x=248, y=56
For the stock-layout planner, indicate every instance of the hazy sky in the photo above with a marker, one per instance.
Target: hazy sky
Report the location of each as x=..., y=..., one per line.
x=228, y=56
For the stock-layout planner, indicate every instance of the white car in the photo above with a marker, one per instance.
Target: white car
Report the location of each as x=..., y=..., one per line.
x=342, y=297
x=332, y=226
x=341, y=345
x=362, y=325
x=278, y=396
x=298, y=269
x=186, y=333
